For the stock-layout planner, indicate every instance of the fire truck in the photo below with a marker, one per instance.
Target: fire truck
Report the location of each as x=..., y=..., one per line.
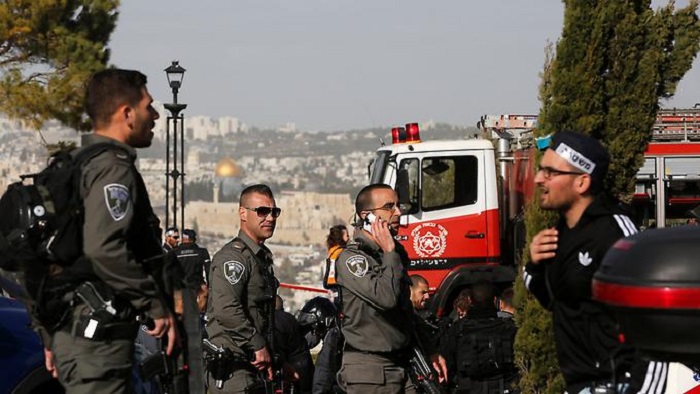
x=462, y=200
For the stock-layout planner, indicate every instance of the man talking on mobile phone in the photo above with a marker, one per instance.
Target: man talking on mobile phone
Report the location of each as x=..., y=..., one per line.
x=379, y=323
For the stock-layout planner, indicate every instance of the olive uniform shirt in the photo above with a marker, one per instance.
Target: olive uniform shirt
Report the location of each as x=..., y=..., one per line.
x=242, y=288
x=120, y=230
x=375, y=294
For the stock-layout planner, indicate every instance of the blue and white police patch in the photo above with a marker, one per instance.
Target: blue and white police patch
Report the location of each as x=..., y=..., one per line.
x=357, y=265
x=118, y=200
x=233, y=271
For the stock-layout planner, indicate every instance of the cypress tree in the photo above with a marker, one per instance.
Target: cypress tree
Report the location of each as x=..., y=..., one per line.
x=615, y=60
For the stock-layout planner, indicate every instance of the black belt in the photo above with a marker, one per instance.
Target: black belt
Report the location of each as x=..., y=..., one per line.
x=394, y=355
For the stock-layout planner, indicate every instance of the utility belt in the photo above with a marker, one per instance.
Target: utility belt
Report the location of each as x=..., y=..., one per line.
x=108, y=319
x=400, y=357
x=221, y=362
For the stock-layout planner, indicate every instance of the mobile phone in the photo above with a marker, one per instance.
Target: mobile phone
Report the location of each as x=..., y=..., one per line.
x=368, y=220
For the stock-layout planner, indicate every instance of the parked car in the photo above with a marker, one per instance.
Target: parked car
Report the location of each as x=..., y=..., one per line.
x=22, y=368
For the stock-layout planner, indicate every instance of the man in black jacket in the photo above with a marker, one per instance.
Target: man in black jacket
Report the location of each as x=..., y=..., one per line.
x=193, y=259
x=479, y=347
x=563, y=259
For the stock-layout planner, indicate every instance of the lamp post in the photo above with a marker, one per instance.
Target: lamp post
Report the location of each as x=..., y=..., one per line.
x=175, y=74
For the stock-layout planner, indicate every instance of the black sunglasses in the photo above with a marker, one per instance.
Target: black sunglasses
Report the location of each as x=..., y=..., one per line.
x=264, y=211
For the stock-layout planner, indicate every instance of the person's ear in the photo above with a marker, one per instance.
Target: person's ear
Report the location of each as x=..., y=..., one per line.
x=241, y=213
x=583, y=183
x=128, y=114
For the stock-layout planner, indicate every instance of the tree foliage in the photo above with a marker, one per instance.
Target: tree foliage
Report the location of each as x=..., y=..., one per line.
x=48, y=49
x=615, y=60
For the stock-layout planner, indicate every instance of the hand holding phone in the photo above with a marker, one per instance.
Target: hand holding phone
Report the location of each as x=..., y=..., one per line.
x=383, y=235
x=367, y=222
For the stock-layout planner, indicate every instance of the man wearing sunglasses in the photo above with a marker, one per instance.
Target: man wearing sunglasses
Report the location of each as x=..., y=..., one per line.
x=563, y=260
x=379, y=322
x=242, y=292
x=172, y=239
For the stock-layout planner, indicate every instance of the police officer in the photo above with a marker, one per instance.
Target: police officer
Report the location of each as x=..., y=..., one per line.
x=193, y=259
x=242, y=291
x=379, y=323
x=119, y=235
x=563, y=260
x=172, y=239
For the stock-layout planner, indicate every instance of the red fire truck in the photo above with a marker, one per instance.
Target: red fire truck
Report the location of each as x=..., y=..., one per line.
x=463, y=199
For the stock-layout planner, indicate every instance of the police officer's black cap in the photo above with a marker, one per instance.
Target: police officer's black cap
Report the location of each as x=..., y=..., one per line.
x=584, y=153
x=189, y=234
x=170, y=231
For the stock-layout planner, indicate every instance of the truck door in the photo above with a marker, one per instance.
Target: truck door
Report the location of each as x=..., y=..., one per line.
x=666, y=189
x=681, y=189
x=447, y=223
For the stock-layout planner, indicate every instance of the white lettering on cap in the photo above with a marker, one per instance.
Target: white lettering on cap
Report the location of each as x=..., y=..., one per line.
x=575, y=158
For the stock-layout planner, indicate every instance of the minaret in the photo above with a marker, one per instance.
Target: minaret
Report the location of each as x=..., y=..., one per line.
x=216, y=191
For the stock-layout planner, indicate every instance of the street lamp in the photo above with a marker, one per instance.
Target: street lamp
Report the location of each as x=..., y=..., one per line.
x=175, y=74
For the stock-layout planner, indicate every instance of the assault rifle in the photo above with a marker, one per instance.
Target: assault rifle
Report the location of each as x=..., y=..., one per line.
x=168, y=371
x=422, y=373
x=277, y=384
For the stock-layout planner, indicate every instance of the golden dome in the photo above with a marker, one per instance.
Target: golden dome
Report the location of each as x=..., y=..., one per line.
x=227, y=168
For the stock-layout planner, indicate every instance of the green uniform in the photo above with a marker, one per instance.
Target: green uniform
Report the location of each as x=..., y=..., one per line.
x=241, y=296
x=119, y=234
x=378, y=322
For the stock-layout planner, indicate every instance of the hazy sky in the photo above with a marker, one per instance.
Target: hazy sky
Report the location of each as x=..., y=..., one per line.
x=341, y=64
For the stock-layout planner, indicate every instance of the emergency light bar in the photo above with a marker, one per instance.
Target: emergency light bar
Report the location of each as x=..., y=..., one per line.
x=408, y=134
x=398, y=135
x=413, y=134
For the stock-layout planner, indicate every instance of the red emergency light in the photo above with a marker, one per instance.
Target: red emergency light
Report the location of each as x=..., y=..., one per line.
x=412, y=132
x=398, y=135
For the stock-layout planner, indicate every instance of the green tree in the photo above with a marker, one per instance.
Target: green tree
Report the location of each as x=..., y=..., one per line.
x=48, y=50
x=614, y=61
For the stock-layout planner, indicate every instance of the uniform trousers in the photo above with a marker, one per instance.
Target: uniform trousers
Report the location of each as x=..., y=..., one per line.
x=373, y=373
x=242, y=381
x=90, y=367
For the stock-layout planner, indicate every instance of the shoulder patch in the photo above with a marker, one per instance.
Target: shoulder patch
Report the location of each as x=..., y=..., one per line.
x=118, y=200
x=357, y=265
x=233, y=271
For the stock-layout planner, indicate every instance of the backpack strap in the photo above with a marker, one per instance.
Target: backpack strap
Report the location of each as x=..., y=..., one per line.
x=83, y=155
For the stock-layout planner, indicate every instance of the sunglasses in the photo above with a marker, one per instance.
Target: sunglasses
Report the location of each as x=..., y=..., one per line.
x=262, y=212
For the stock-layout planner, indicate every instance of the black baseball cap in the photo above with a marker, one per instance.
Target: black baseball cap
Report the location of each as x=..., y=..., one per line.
x=584, y=153
x=189, y=234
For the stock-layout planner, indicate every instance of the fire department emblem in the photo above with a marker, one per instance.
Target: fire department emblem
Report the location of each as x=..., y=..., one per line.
x=429, y=240
x=357, y=265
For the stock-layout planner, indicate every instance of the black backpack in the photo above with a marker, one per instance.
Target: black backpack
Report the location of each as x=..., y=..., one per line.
x=485, y=347
x=41, y=231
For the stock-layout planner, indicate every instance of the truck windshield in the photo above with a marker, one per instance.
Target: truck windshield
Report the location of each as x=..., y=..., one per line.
x=379, y=166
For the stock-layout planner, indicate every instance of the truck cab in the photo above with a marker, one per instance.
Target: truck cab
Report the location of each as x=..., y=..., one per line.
x=448, y=191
